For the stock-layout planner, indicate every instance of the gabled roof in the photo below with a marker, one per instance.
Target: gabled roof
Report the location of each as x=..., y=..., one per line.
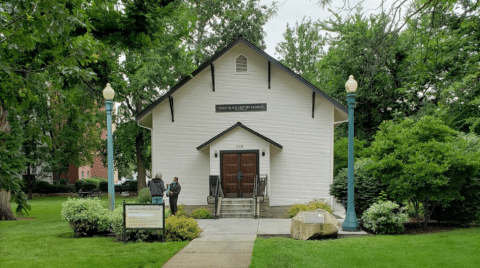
x=244, y=41
x=239, y=124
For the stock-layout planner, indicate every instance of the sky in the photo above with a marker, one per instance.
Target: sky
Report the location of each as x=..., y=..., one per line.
x=291, y=11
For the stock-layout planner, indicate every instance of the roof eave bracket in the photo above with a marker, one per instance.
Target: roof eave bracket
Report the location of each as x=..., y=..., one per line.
x=170, y=100
x=212, y=68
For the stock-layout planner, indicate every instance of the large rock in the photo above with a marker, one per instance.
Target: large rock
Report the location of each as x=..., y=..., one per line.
x=314, y=223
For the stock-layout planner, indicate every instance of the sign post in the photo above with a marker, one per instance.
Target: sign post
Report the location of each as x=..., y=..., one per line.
x=143, y=217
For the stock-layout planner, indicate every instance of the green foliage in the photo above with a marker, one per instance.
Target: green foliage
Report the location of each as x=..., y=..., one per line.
x=86, y=185
x=181, y=211
x=201, y=213
x=420, y=161
x=41, y=187
x=367, y=187
x=464, y=210
x=103, y=186
x=144, y=196
x=411, y=211
x=302, y=49
x=86, y=216
x=312, y=205
x=44, y=187
x=340, y=157
x=181, y=228
x=385, y=218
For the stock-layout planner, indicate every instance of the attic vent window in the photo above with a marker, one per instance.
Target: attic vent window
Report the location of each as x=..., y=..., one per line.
x=241, y=65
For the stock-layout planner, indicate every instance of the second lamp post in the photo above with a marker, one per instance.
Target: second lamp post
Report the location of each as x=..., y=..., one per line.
x=351, y=222
x=108, y=94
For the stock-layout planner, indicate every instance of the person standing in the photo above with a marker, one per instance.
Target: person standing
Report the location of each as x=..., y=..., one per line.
x=157, y=187
x=175, y=189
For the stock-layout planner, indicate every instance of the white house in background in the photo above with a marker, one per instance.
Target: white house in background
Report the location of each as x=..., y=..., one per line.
x=243, y=114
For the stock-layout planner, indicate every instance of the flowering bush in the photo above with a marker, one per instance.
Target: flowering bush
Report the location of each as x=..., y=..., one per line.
x=385, y=218
x=86, y=217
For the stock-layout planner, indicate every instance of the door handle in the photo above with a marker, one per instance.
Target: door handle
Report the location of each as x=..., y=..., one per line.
x=239, y=175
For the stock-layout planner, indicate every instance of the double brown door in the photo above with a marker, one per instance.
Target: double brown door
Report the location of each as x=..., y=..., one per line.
x=238, y=173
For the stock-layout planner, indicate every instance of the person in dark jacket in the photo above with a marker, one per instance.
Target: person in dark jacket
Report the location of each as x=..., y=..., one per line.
x=157, y=187
x=175, y=189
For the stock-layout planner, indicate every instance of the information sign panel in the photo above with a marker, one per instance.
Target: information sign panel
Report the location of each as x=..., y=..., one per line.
x=143, y=217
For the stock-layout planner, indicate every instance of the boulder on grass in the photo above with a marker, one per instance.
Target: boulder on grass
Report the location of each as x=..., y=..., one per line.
x=314, y=223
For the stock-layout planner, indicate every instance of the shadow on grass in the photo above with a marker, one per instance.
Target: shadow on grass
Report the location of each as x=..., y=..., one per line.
x=66, y=235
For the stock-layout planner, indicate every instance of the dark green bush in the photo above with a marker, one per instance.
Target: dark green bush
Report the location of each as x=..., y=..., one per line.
x=63, y=181
x=41, y=187
x=86, y=185
x=367, y=188
x=103, y=186
x=201, y=213
x=131, y=186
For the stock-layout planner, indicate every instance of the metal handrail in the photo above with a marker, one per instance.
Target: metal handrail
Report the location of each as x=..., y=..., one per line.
x=217, y=193
x=259, y=190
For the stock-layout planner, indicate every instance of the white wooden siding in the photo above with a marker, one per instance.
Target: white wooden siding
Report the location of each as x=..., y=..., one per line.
x=298, y=173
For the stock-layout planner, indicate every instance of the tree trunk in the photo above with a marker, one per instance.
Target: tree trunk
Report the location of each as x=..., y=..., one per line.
x=5, y=206
x=141, y=182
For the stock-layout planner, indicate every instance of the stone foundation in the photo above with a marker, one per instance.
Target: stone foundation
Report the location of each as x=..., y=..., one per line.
x=190, y=208
x=268, y=212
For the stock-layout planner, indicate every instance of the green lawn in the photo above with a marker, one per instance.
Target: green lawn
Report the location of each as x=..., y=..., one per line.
x=459, y=248
x=47, y=241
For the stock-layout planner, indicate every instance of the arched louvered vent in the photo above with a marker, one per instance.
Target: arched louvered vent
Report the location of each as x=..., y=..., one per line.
x=241, y=64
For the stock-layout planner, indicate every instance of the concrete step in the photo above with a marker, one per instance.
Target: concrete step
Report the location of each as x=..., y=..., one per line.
x=238, y=201
x=237, y=206
x=236, y=215
x=236, y=210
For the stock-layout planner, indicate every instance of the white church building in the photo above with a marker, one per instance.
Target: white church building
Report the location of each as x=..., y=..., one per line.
x=242, y=115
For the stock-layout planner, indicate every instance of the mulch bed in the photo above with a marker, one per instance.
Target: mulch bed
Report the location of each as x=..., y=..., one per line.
x=412, y=228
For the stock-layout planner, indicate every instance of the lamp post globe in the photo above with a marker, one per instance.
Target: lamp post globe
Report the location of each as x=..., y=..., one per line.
x=351, y=223
x=108, y=94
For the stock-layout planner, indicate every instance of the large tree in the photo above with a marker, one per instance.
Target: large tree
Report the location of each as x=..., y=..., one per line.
x=41, y=50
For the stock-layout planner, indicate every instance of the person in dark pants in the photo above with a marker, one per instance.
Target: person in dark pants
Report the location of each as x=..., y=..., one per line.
x=175, y=189
x=157, y=187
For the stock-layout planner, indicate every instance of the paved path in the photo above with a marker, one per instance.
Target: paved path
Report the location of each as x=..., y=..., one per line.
x=227, y=242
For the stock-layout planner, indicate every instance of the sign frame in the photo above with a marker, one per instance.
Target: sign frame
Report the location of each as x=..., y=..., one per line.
x=252, y=107
x=144, y=204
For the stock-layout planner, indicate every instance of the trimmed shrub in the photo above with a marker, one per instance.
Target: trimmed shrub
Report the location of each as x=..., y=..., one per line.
x=144, y=196
x=180, y=228
x=132, y=186
x=385, y=218
x=86, y=185
x=201, y=213
x=63, y=181
x=367, y=188
x=41, y=187
x=312, y=205
x=86, y=217
x=103, y=186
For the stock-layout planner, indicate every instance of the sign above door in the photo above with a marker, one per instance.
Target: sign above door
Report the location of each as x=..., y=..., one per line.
x=255, y=107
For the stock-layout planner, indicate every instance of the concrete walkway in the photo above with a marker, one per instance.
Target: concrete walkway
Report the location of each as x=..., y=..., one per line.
x=227, y=242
